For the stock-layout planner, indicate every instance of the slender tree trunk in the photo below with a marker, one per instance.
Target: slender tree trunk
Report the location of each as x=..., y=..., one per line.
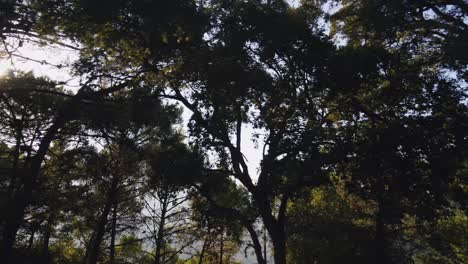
x=31, y=239
x=92, y=252
x=14, y=170
x=162, y=223
x=256, y=244
x=113, y=233
x=205, y=245
x=45, y=254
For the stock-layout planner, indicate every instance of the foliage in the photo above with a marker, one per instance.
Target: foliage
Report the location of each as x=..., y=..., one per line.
x=329, y=227
x=358, y=107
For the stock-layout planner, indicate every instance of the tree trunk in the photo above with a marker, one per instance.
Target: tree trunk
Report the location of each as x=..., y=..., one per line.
x=45, y=254
x=113, y=233
x=256, y=244
x=160, y=234
x=205, y=245
x=278, y=239
x=275, y=228
x=14, y=169
x=279, y=245
x=31, y=239
x=92, y=253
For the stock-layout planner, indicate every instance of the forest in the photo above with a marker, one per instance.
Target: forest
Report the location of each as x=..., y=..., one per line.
x=233, y=131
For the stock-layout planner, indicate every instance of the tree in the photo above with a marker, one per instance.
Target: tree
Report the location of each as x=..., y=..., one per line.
x=327, y=225
x=401, y=148
x=172, y=168
x=245, y=74
x=221, y=227
x=166, y=220
x=145, y=121
x=28, y=108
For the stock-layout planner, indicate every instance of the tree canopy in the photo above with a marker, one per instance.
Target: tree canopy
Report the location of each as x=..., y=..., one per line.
x=357, y=109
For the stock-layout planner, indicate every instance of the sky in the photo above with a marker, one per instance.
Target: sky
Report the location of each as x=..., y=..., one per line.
x=40, y=54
